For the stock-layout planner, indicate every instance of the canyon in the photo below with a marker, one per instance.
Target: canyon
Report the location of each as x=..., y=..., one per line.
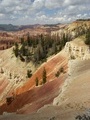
x=60, y=98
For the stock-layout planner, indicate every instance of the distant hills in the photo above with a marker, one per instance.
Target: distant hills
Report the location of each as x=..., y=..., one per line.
x=10, y=27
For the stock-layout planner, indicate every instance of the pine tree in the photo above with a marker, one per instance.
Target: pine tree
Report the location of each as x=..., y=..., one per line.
x=36, y=80
x=37, y=55
x=44, y=76
x=22, y=40
x=16, y=50
x=23, y=50
x=54, y=48
x=29, y=41
x=87, y=41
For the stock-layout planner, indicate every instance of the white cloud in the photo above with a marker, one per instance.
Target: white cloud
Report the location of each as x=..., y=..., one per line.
x=40, y=11
x=38, y=4
x=50, y=4
x=1, y=15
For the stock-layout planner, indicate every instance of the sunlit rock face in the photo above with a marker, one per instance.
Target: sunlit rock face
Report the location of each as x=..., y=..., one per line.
x=76, y=51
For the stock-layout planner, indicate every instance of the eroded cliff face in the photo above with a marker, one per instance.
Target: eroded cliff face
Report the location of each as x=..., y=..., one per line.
x=75, y=90
x=32, y=98
x=77, y=51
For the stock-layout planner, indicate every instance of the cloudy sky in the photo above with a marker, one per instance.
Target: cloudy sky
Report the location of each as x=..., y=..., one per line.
x=42, y=11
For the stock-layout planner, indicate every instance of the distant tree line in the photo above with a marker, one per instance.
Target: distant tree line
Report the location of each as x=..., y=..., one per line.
x=83, y=19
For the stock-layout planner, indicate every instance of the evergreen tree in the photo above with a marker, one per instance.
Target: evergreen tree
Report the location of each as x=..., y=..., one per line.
x=42, y=54
x=37, y=81
x=22, y=40
x=23, y=50
x=16, y=50
x=54, y=48
x=29, y=40
x=37, y=55
x=44, y=76
x=87, y=41
x=41, y=40
x=22, y=58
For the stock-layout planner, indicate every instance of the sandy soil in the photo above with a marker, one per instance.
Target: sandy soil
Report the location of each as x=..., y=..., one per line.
x=18, y=70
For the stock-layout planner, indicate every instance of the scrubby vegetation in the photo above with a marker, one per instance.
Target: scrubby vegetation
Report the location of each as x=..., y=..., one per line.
x=37, y=49
x=29, y=73
x=83, y=29
x=16, y=49
x=9, y=100
x=61, y=70
x=82, y=117
x=72, y=57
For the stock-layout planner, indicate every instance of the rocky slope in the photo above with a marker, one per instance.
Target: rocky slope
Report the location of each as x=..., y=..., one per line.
x=77, y=49
x=72, y=29
x=67, y=96
x=42, y=94
x=73, y=98
x=7, y=40
x=13, y=72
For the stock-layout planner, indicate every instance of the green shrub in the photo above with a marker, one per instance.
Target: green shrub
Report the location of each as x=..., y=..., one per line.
x=61, y=70
x=57, y=74
x=29, y=73
x=37, y=81
x=9, y=100
x=72, y=57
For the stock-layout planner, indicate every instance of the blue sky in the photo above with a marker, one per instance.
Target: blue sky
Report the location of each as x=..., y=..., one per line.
x=43, y=11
